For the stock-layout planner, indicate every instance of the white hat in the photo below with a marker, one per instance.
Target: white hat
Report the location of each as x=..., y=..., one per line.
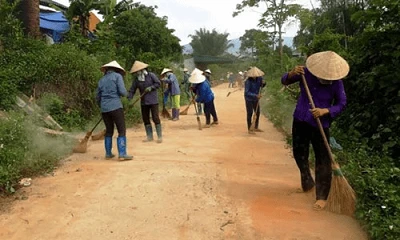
x=185, y=70
x=165, y=70
x=207, y=71
x=327, y=65
x=137, y=66
x=241, y=73
x=197, y=76
x=112, y=64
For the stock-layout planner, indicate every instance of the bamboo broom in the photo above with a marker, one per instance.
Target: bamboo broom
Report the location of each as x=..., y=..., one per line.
x=81, y=147
x=185, y=112
x=342, y=198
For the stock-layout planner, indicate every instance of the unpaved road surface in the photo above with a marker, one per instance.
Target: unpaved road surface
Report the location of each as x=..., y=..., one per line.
x=218, y=183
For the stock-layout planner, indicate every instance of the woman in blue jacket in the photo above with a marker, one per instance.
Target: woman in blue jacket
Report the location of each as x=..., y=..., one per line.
x=169, y=77
x=204, y=95
x=109, y=92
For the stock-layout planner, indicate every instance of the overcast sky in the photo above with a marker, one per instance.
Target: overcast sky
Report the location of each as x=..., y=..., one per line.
x=187, y=16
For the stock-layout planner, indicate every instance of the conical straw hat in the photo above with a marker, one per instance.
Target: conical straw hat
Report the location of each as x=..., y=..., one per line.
x=113, y=64
x=197, y=76
x=165, y=70
x=255, y=72
x=328, y=65
x=185, y=70
x=207, y=71
x=137, y=66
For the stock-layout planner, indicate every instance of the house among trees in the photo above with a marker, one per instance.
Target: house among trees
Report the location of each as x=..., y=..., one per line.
x=54, y=23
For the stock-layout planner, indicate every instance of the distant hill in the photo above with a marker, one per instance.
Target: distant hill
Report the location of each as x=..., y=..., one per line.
x=187, y=49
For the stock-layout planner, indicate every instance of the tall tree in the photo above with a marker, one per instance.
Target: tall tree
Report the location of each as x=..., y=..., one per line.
x=212, y=43
x=254, y=40
x=277, y=13
x=30, y=17
x=140, y=30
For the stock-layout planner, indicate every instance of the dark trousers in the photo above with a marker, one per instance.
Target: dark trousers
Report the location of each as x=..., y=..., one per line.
x=209, y=110
x=303, y=134
x=114, y=117
x=251, y=106
x=146, y=110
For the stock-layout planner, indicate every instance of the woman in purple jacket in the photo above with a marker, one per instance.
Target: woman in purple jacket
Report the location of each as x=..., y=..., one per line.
x=147, y=83
x=323, y=75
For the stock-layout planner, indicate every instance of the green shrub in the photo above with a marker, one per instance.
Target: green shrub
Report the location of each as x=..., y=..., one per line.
x=68, y=118
x=32, y=67
x=26, y=151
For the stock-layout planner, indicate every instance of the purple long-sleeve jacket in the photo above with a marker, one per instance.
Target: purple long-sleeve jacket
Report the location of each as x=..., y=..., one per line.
x=331, y=96
x=151, y=80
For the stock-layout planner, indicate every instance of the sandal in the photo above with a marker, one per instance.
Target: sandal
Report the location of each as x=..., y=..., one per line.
x=319, y=205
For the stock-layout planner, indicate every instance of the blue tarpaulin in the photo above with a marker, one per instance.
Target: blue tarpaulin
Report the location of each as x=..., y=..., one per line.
x=55, y=24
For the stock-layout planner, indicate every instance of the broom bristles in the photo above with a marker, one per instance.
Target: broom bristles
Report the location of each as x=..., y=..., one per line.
x=99, y=136
x=82, y=146
x=165, y=113
x=342, y=197
x=185, y=112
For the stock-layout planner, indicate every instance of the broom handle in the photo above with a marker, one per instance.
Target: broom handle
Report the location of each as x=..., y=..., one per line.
x=102, y=118
x=96, y=125
x=321, y=129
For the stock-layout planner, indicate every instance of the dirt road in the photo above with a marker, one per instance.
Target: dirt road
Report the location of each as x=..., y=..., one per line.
x=218, y=183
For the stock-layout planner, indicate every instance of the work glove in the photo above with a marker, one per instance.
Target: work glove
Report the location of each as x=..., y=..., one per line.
x=296, y=71
x=148, y=89
x=319, y=112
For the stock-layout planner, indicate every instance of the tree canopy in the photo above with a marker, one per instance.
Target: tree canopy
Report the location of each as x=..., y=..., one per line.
x=211, y=43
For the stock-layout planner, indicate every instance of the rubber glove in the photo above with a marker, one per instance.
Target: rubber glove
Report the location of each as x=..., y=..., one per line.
x=148, y=89
x=319, y=112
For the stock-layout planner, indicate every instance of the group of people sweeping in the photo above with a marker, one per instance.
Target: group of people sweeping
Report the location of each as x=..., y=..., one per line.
x=322, y=98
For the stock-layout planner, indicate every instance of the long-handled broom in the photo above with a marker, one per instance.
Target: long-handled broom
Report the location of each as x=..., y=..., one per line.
x=253, y=121
x=229, y=93
x=185, y=111
x=82, y=146
x=197, y=114
x=164, y=112
x=342, y=198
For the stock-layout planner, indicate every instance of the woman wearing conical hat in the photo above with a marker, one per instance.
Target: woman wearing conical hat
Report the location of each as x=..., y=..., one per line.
x=252, y=89
x=204, y=94
x=169, y=77
x=323, y=74
x=147, y=83
x=109, y=92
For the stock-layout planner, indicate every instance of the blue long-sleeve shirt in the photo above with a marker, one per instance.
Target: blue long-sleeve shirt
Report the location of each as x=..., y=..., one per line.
x=173, y=84
x=150, y=80
x=110, y=89
x=252, y=88
x=331, y=96
x=203, y=92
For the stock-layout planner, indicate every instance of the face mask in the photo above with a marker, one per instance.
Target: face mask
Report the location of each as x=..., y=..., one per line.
x=144, y=71
x=140, y=76
x=324, y=82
